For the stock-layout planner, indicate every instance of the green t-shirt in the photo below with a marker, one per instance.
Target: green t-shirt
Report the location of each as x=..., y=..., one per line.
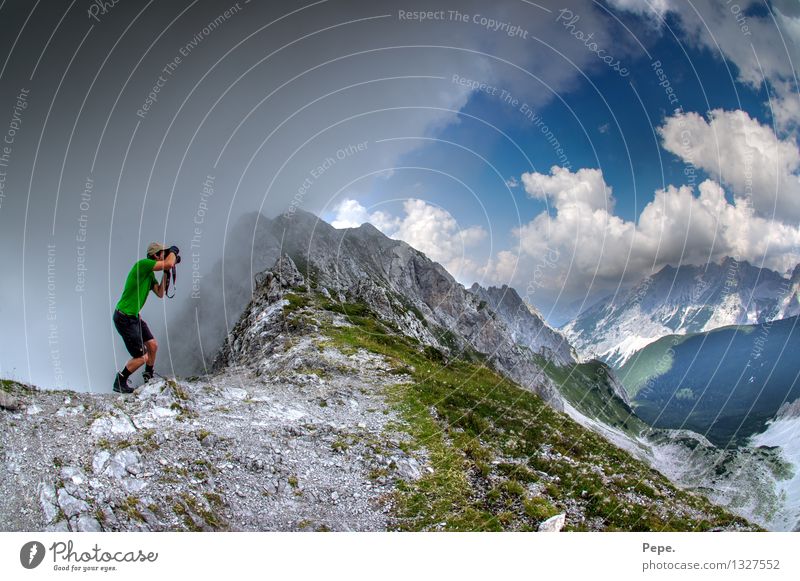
x=140, y=281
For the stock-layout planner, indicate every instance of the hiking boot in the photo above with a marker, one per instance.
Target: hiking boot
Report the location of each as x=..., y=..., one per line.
x=147, y=376
x=121, y=385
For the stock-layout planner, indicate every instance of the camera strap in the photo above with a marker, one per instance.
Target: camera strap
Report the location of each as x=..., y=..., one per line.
x=171, y=274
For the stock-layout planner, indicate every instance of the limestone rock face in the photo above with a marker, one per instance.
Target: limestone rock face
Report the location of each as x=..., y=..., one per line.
x=403, y=287
x=526, y=325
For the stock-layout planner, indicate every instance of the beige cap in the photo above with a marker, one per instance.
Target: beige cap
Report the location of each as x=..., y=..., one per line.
x=154, y=248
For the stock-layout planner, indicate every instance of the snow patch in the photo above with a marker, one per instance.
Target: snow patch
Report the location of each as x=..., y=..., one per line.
x=785, y=433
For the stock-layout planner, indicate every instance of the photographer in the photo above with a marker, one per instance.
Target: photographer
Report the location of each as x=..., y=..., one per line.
x=139, y=341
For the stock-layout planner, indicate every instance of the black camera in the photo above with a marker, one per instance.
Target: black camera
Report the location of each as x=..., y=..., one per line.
x=174, y=250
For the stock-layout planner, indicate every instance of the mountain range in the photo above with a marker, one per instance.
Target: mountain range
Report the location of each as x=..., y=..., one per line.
x=676, y=301
x=342, y=380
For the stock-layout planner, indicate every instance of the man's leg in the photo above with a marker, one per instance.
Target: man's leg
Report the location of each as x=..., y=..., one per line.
x=151, y=348
x=150, y=355
x=129, y=328
x=133, y=364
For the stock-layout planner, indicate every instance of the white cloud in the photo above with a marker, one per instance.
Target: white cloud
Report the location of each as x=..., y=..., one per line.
x=430, y=229
x=350, y=214
x=512, y=182
x=743, y=154
x=596, y=249
x=584, y=187
x=643, y=7
x=762, y=48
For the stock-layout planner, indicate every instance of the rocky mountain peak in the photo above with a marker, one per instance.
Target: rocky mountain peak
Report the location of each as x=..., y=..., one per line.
x=680, y=300
x=526, y=326
x=282, y=276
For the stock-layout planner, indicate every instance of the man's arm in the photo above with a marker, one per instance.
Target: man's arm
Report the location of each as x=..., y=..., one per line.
x=159, y=287
x=165, y=264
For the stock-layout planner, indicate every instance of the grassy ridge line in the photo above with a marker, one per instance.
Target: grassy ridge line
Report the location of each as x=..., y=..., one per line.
x=655, y=359
x=504, y=460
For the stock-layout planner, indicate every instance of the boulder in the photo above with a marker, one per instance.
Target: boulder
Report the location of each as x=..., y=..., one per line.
x=112, y=426
x=8, y=402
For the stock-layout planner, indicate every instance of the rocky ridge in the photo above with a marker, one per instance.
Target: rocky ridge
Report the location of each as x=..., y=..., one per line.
x=399, y=283
x=308, y=443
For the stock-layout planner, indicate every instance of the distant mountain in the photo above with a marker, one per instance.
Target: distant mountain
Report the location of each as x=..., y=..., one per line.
x=687, y=299
x=725, y=384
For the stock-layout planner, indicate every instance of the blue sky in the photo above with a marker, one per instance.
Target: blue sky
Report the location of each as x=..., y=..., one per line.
x=607, y=122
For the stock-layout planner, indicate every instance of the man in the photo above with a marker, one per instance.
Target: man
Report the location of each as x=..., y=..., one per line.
x=139, y=341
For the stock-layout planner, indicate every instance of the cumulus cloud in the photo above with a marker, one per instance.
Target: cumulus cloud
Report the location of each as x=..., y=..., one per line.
x=764, y=47
x=428, y=228
x=586, y=187
x=593, y=248
x=743, y=154
x=643, y=7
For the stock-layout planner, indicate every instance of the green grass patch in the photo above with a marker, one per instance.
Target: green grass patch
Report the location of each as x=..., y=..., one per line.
x=487, y=439
x=296, y=302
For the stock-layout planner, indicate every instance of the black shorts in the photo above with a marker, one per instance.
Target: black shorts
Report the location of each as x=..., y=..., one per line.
x=134, y=331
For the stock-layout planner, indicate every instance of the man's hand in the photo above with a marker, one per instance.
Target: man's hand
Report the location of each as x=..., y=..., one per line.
x=165, y=264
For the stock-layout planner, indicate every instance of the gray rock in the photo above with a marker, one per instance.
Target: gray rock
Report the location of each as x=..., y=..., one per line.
x=133, y=485
x=70, y=411
x=88, y=524
x=8, y=401
x=73, y=474
x=99, y=461
x=111, y=426
x=59, y=527
x=409, y=469
x=48, y=502
x=122, y=464
x=150, y=390
x=70, y=505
